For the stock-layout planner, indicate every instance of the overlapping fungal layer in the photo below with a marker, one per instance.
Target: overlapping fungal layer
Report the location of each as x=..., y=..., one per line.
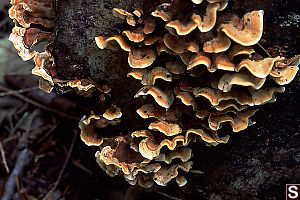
x=200, y=77
x=88, y=124
x=34, y=23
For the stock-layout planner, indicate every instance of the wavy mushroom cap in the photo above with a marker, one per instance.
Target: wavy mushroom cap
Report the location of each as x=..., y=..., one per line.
x=141, y=57
x=112, y=113
x=162, y=98
x=246, y=31
x=209, y=20
x=218, y=44
x=108, y=42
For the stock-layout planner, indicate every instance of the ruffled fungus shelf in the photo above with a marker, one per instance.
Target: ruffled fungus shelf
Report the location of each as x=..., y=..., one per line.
x=197, y=62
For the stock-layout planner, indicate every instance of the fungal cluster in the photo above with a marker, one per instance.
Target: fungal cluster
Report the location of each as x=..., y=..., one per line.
x=34, y=23
x=196, y=71
x=200, y=72
x=34, y=31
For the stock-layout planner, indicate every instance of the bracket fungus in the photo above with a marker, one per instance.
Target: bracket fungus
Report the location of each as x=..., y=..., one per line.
x=28, y=13
x=164, y=99
x=201, y=70
x=246, y=31
x=108, y=42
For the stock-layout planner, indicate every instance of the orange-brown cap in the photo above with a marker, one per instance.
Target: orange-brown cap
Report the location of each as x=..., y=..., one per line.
x=187, y=99
x=123, y=14
x=218, y=44
x=238, y=49
x=88, y=133
x=162, y=98
x=182, y=28
x=161, y=12
x=166, y=174
x=135, y=36
x=169, y=129
x=176, y=44
x=221, y=61
x=176, y=67
x=260, y=69
x=240, y=122
x=266, y=95
x=32, y=12
x=246, y=31
x=141, y=57
x=17, y=37
x=199, y=59
x=197, y=1
x=209, y=20
x=149, y=40
x=112, y=113
x=39, y=69
x=156, y=73
x=149, y=26
x=108, y=42
x=245, y=79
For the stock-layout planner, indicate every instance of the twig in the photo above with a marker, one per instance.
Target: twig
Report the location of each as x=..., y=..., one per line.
x=45, y=136
x=7, y=128
x=13, y=137
x=19, y=123
x=63, y=167
x=17, y=180
x=2, y=94
x=4, y=21
x=22, y=97
x=195, y=171
x=4, y=158
x=265, y=51
x=166, y=195
x=83, y=168
x=23, y=160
